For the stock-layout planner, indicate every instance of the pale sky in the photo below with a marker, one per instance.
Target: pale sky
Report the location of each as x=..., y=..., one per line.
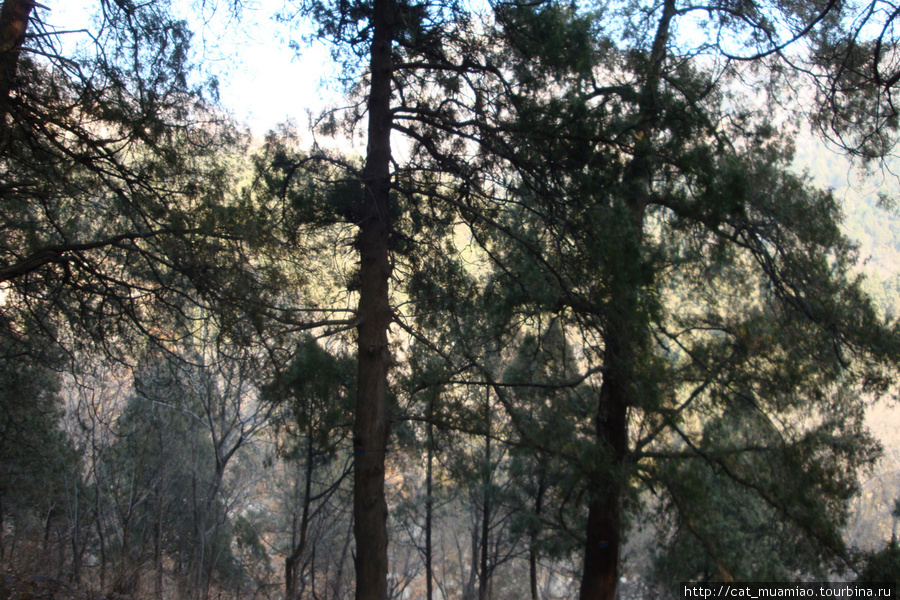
x=262, y=81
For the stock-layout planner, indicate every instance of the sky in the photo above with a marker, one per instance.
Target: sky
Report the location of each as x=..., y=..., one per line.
x=262, y=81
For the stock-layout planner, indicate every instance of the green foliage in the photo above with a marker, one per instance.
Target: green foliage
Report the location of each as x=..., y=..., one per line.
x=39, y=465
x=151, y=480
x=166, y=486
x=116, y=174
x=315, y=393
x=760, y=500
x=664, y=233
x=551, y=414
x=594, y=220
x=553, y=39
x=881, y=566
x=312, y=194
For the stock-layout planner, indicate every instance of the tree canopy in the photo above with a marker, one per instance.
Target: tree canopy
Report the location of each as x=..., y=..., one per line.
x=575, y=267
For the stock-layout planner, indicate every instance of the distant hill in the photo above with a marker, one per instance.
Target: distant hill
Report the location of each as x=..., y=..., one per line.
x=871, y=202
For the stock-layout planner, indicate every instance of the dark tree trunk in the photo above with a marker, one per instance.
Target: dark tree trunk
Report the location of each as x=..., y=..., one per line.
x=625, y=338
x=312, y=576
x=533, y=551
x=532, y=573
x=291, y=572
x=337, y=587
x=13, y=24
x=603, y=536
x=157, y=545
x=370, y=429
x=47, y=523
x=75, y=539
x=101, y=539
x=469, y=591
x=429, y=506
x=484, y=574
x=2, y=555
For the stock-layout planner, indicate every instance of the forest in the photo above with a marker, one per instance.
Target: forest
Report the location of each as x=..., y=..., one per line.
x=558, y=299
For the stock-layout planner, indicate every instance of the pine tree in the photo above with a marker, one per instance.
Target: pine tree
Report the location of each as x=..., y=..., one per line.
x=640, y=201
x=119, y=221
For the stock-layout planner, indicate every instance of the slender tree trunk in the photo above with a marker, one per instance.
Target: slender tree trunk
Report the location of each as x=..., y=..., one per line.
x=161, y=489
x=469, y=592
x=337, y=589
x=208, y=524
x=157, y=546
x=47, y=522
x=2, y=555
x=198, y=552
x=532, y=551
x=312, y=576
x=532, y=573
x=625, y=338
x=101, y=538
x=429, y=507
x=75, y=572
x=370, y=429
x=291, y=562
x=121, y=582
x=60, y=555
x=484, y=575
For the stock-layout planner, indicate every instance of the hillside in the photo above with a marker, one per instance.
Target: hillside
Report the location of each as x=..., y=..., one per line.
x=871, y=201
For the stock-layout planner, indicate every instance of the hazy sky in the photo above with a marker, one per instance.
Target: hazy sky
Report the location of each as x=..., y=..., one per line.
x=262, y=81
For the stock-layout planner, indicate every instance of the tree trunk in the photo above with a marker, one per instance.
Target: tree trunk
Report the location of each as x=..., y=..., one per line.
x=370, y=429
x=157, y=547
x=122, y=578
x=47, y=523
x=469, y=592
x=291, y=562
x=337, y=588
x=75, y=538
x=209, y=520
x=532, y=551
x=625, y=339
x=603, y=537
x=312, y=575
x=2, y=555
x=13, y=24
x=429, y=507
x=101, y=538
x=484, y=575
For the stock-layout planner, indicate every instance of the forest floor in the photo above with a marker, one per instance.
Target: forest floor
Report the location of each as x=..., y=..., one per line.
x=14, y=587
